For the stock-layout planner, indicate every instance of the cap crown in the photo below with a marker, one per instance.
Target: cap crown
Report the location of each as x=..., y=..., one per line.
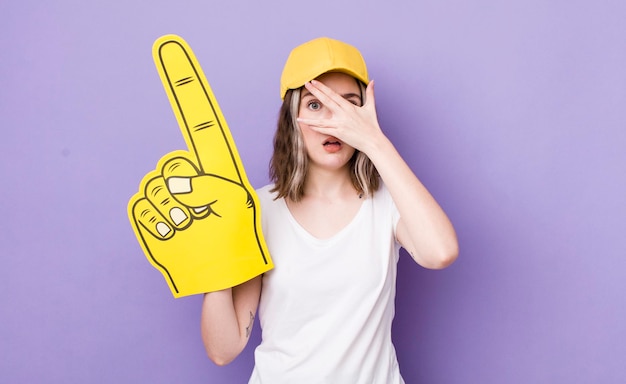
x=318, y=56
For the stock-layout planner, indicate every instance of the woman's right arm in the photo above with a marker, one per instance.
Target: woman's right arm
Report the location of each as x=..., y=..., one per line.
x=227, y=319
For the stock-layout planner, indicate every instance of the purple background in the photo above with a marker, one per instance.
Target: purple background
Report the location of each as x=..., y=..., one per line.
x=513, y=113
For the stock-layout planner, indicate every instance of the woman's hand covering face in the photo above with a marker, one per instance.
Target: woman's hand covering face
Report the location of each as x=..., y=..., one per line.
x=355, y=125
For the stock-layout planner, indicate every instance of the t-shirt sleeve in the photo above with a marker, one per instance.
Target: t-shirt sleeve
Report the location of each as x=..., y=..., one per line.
x=265, y=200
x=391, y=208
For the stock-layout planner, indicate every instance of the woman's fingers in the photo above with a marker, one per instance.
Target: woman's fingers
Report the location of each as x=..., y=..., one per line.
x=354, y=125
x=318, y=123
x=369, y=94
x=326, y=95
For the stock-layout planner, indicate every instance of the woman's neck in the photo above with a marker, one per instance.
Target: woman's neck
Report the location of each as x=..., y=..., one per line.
x=326, y=184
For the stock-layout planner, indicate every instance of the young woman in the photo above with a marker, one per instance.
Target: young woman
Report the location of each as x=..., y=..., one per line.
x=341, y=204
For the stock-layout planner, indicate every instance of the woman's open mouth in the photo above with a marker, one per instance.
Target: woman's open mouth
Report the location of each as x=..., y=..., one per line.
x=332, y=145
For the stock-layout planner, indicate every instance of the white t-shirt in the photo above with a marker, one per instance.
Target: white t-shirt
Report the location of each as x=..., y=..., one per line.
x=327, y=306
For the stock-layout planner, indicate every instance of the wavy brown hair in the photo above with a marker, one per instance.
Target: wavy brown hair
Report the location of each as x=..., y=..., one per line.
x=289, y=163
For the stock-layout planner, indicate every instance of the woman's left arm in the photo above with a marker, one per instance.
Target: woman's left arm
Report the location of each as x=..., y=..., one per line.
x=424, y=229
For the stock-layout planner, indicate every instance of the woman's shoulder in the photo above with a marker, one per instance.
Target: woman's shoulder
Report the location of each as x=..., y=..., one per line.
x=271, y=208
x=382, y=198
x=265, y=190
x=265, y=194
x=382, y=193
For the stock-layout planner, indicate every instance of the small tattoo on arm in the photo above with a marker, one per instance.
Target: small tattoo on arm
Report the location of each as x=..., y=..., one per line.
x=249, y=327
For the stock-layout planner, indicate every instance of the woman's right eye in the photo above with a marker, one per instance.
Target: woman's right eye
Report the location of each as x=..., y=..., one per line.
x=314, y=105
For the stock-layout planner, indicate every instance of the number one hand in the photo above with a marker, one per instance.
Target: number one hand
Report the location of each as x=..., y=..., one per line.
x=196, y=216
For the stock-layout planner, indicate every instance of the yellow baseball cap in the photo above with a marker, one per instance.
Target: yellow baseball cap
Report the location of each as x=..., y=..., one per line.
x=318, y=56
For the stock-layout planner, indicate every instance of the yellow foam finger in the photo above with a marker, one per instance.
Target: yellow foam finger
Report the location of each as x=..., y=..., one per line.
x=151, y=220
x=162, y=200
x=196, y=109
x=196, y=215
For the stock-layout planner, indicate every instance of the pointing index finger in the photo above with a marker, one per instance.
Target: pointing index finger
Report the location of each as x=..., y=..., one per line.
x=199, y=117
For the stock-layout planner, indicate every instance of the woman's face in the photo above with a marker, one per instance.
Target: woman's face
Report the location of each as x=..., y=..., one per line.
x=327, y=151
